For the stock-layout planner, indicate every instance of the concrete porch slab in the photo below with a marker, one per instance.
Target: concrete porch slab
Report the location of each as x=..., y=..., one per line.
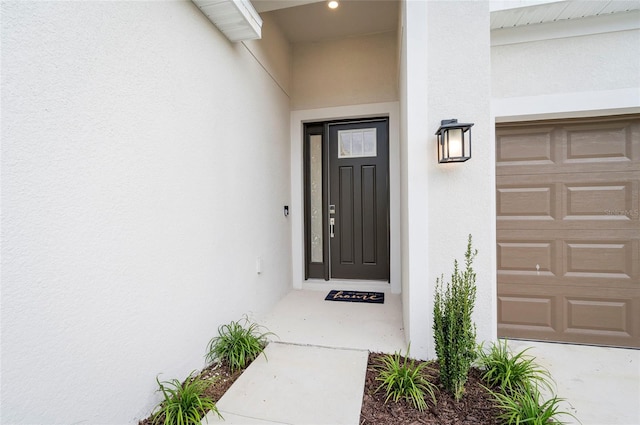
x=304, y=317
x=297, y=384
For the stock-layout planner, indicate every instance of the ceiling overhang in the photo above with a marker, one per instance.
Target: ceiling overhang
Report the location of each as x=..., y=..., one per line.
x=236, y=19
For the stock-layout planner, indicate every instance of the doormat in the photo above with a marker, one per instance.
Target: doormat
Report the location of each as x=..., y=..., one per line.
x=356, y=296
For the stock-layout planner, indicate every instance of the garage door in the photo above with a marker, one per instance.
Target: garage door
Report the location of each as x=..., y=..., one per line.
x=568, y=230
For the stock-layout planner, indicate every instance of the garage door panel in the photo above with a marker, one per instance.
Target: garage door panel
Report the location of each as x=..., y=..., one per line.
x=527, y=312
x=535, y=258
x=550, y=283
x=599, y=259
x=605, y=317
x=601, y=316
x=600, y=146
x=581, y=256
x=599, y=201
x=515, y=147
x=583, y=142
x=612, y=198
x=527, y=202
x=568, y=230
x=530, y=312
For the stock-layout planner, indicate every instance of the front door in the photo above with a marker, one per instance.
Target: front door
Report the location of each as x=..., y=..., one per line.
x=355, y=201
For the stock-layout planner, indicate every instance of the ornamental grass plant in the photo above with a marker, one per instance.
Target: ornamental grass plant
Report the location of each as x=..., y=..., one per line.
x=454, y=330
x=184, y=403
x=236, y=344
x=525, y=406
x=516, y=381
x=406, y=379
x=511, y=372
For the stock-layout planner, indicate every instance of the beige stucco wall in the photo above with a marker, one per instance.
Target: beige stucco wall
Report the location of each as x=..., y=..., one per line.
x=145, y=165
x=575, y=64
x=584, y=67
x=350, y=71
x=274, y=52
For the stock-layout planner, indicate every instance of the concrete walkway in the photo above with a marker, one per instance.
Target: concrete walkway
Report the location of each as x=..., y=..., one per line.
x=297, y=384
x=314, y=373
x=314, y=370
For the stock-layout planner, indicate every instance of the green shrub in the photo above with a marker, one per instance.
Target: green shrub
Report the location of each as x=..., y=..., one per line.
x=237, y=345
x=184, y=403
x=511, y=372
x=404, y=379
x=519, y=381
x=526, y=407
x=454, y=330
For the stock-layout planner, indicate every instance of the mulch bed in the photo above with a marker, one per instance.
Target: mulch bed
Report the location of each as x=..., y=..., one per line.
x=475, y=408
x=222, y=378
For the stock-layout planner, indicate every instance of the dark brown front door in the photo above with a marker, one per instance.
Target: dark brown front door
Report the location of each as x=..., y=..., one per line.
x=358, y=209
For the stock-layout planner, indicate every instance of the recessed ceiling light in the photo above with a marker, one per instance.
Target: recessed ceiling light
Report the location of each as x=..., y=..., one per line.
x=333, y=4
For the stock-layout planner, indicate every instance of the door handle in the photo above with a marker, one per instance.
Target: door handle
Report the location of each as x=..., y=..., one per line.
x=332, y=222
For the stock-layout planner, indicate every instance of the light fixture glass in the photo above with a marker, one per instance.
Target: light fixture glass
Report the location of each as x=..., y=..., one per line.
x=333, y=4
x=454, y=141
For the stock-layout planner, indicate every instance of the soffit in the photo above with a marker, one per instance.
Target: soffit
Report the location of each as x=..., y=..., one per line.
x=314, y=21
x=558, y=11
x=237, y=19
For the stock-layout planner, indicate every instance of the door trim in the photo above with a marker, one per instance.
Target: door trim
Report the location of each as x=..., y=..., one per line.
x=391, y=110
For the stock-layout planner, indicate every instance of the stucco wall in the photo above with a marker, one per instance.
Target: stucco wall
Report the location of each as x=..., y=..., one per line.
x=443, y=203
x=566, y=65
x=462, y=196
x=145, y=165
x=584, y=67
x=349, y=71
x=273, y=51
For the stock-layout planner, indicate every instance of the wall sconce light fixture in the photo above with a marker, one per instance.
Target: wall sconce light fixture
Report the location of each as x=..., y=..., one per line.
x=454, y=141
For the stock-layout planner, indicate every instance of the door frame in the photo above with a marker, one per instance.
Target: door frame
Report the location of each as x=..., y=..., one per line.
x=328, y=166
x=390, y=110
